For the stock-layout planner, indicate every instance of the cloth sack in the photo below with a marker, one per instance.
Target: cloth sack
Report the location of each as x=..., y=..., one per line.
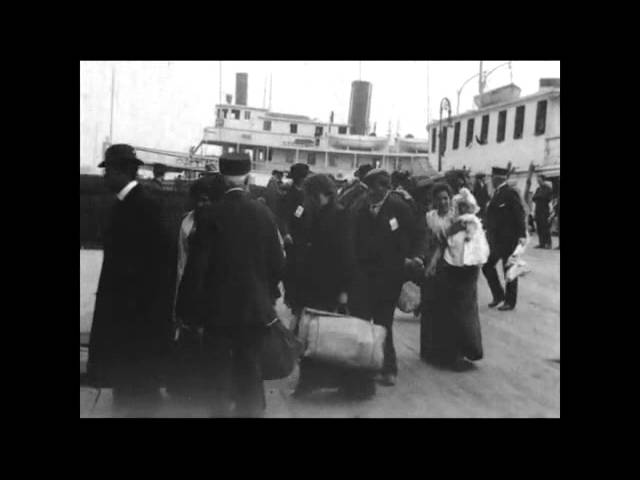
x=409, y=299
x=342, y=340
x=280, y=351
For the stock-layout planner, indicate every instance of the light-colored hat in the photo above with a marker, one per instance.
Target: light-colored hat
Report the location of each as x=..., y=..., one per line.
x=465, y=196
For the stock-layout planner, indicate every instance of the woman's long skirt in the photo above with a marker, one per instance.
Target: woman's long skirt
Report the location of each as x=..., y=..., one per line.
x=450, y=325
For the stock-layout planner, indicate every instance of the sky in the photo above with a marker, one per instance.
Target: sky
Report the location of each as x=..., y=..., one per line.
x=167, y=104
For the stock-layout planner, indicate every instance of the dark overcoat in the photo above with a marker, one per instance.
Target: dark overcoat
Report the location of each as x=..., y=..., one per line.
x=382, y=244
x=244, y=261
x=131, y=327
x=505, y=220
x=328, y=264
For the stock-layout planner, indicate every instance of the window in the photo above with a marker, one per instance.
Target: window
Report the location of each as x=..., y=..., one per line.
x=456, y=135
x=342, y=130
x=247, y=115
x=318, y=132
x=332, y=160
x=218, y=113
x=267, y=125
x=311, y=158
x=470, y=123
x=290, y=156
x=502, y=125
x=236, y=114
x=519, y=125
x=293, y=128
x=225, y=111
x=443, y=141
x=434, y=134
x=484, y=130
x=541, y=117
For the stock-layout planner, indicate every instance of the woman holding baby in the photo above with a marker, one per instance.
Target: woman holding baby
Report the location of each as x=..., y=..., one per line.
x=456, y=248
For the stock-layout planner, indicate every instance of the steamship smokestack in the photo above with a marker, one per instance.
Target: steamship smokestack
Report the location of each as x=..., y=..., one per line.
x=241, y=88
x=359, y=107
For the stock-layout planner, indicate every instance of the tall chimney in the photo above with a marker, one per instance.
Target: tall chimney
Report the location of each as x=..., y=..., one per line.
x=241, y=88
x=359, y=107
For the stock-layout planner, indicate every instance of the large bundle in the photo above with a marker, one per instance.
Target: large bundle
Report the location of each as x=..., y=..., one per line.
x=409, y=299
x=342, y=340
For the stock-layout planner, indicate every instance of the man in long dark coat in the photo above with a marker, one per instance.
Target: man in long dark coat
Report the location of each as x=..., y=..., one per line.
x=240, y=245
x=131, y=327
x=387, y=240
x=542, y=199
x=294, y=226
x=505, y=229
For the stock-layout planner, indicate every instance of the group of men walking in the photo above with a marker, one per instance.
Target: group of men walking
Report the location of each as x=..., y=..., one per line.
x=349, y=253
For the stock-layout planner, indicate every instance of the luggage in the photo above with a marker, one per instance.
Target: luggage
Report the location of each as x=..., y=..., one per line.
x=409, y=299
x=280, y=351
x=342, y=340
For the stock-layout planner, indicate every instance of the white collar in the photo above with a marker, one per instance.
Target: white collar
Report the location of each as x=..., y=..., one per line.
x=501, y=185
x=125, y=191
x=234, y=189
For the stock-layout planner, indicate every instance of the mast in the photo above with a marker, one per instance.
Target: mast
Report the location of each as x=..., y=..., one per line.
x=113, y=83
x=270, y=89
x=220, y=81
x=428, y=99
x=480, y=80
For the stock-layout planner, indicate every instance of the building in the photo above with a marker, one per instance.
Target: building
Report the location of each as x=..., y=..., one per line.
x=504, y=128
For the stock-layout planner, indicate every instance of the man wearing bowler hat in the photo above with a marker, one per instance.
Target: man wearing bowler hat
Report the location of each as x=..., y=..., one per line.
x=505, y=230
x=132, y=320
x=243, y=266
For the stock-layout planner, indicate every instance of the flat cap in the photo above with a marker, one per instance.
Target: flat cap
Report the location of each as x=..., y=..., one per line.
x=503, y=172
x=234, y=164
x=298, y=170
x=120, y=154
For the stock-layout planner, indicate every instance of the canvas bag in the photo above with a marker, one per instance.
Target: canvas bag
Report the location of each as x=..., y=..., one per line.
x=409, y=299
x=342, y=340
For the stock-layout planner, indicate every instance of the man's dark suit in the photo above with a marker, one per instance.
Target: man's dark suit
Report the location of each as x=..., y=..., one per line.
x=542, y=199
x=131, y=326
x=505, y=225
x=382, y=244
x=244, y=262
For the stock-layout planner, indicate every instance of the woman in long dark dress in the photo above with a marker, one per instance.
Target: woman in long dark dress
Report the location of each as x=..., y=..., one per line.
x=450, y=326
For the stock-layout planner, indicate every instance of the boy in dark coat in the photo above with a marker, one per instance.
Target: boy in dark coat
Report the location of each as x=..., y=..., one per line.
x=131, y=327
x=387, y=241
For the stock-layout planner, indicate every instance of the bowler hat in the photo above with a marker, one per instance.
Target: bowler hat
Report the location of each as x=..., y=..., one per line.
x=234, y=164
x=120, y=154
x=375, y=174
x=502, y=172
x=298, y=171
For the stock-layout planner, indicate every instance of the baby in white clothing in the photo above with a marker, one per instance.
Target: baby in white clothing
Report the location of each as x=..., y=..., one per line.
x=467, y=247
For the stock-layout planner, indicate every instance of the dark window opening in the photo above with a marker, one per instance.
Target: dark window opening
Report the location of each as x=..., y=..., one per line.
x=541, y=117
x=342, y=130
x=290, y=156
x=318, y=131
x=434, y=134
x=270, y=155
x=236, y=114
x=502, y=125
x=519, y=125
x=247, y=115
x=456, y=135
x=267, y=125
x=470, y=125
x=311, y=158
x=225, y=111
x=293, y=128
x=443, y=141
x=484, y=130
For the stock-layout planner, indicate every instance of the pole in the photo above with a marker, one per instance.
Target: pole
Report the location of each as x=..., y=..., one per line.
x=113, y=82
x=440, y=140
x=220, y=81
x=480, y=83
x=270, y=89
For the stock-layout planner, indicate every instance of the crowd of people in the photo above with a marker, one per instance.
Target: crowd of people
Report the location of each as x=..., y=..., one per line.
x=331, y=245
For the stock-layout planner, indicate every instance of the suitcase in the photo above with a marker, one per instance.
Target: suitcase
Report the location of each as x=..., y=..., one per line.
x=409, y=299
x=342, y=340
